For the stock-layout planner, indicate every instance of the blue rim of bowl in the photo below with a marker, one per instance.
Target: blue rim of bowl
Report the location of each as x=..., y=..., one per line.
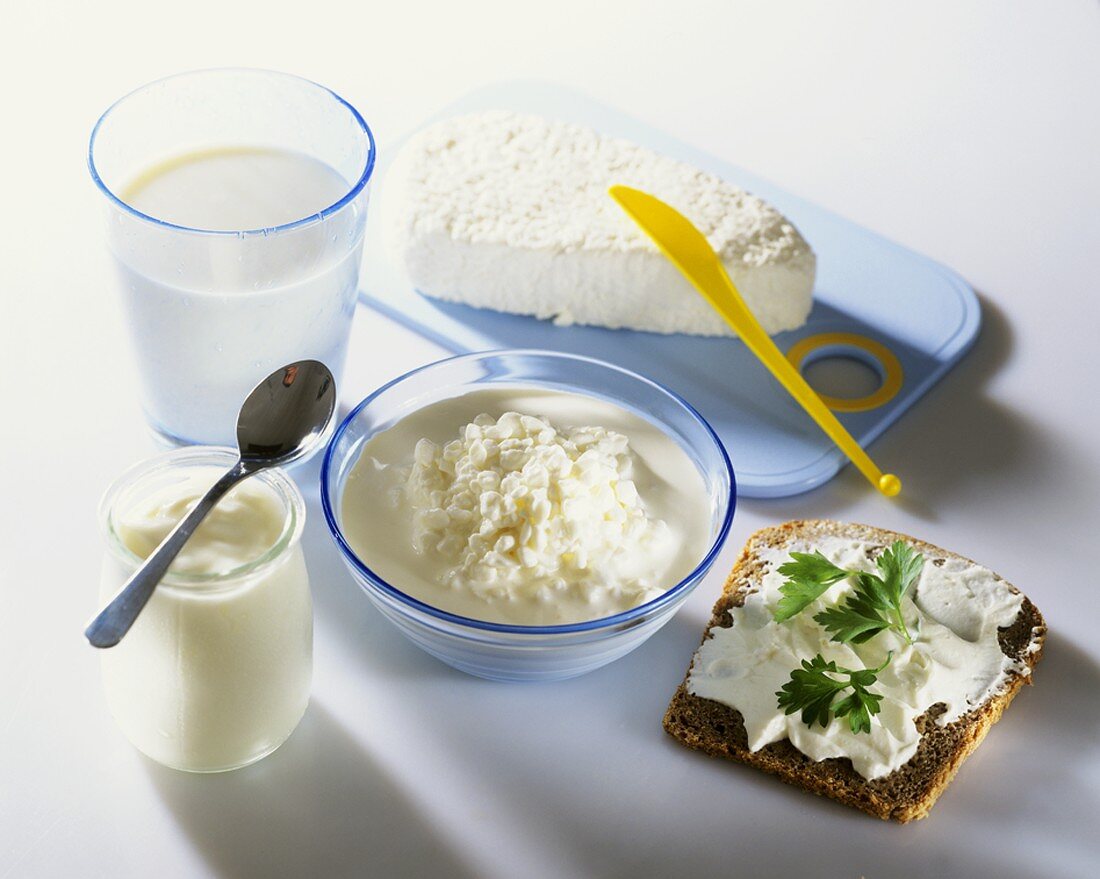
x=335, y=207
x=626, y=616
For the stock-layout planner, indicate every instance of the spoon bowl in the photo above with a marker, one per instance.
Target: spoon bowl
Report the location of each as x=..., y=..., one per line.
x=286, y=414
x=282, y=419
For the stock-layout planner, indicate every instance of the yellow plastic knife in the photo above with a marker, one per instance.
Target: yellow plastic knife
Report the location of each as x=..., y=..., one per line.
x=692, y=254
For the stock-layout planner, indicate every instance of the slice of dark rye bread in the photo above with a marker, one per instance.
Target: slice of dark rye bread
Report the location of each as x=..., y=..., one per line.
x=910, y=791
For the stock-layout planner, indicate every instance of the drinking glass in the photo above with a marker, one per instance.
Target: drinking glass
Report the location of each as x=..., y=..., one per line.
x=213, y=311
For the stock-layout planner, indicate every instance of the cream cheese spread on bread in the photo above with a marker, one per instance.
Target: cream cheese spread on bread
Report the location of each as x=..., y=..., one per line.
x=510, y=212
x=955, y=660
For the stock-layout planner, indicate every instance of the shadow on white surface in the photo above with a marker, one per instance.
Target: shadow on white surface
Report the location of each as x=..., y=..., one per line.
x=961, y=439
x=958, y=439
x=581, y=779
x=1045, y=761
x=319, y=806
x=725, y=819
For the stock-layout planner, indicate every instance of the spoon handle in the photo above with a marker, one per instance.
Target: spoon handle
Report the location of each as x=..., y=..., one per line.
x=114, y=621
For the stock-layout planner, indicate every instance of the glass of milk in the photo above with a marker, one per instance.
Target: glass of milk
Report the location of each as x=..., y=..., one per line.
x=215, y=672
x=236, y=202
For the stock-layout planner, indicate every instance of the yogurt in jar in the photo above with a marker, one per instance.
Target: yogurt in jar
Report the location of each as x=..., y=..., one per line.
x=215, y=672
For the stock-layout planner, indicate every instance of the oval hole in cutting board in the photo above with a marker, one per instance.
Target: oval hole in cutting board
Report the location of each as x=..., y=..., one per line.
x=848, y=376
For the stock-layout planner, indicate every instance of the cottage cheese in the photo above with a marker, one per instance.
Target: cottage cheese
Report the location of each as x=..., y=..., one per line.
x=511, y=212
x=476, y=506
x=955, y=660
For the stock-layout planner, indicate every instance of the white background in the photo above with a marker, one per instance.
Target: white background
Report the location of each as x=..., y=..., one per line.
x=967, y=131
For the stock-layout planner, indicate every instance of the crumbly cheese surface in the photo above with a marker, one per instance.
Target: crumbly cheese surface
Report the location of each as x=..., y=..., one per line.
x=511, y=212
x=514, y=505
x=527, y=506
x=956, y=658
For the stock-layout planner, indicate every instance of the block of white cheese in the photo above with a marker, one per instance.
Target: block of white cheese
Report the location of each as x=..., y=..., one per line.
x=511, y=212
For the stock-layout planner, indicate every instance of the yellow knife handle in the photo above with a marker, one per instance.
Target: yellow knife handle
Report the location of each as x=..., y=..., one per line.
x=733, y=309
x=688, y=249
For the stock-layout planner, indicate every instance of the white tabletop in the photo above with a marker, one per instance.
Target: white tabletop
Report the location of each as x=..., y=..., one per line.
x=969, y=132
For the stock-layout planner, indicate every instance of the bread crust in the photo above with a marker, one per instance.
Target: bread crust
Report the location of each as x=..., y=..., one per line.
x=910, y=791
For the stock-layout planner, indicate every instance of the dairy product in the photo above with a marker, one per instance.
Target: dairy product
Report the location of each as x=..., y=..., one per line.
x=211, y=315
x=956, y=660
x=526, y=506
x=235, y=189
x=244, y=525
x=511, y=212
x=215, y=672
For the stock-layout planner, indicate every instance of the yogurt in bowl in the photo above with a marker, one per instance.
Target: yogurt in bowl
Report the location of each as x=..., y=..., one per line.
x=526, y=515
x=526, y=506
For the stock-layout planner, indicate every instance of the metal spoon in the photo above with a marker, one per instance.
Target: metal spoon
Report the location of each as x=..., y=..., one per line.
x=282, y=419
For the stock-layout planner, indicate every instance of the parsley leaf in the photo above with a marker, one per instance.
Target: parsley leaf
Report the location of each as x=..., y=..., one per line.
x=900, y=566
x=811, y=690
x=861, y=616
x=859, y=707
x=808, y=576
x=875, y=603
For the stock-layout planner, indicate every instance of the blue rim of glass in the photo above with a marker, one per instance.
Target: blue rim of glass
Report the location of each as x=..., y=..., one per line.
x=354, y=191
x=588, y=625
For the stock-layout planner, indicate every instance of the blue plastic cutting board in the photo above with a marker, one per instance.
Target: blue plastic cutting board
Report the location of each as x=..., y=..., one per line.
x=926, y=314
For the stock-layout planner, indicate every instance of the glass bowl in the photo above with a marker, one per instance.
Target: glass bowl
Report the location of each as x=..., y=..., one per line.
x=502, y=651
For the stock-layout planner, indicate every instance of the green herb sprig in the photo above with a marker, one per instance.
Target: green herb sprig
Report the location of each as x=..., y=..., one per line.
x=812, y=690
x=873, y=606
x=809, y=576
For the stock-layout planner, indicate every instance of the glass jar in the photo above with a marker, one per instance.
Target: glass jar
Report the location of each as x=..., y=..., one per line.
x=215, y=673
